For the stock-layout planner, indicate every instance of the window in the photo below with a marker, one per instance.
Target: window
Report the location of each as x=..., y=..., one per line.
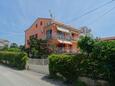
x=61, y=35
x=36, y=35
x=32, y=36
x=49, y=34
x=41, y=23
x=36, y=25
x=28, y=42
x=72, y=34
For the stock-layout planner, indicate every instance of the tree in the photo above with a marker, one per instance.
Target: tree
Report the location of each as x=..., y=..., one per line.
x=104, y=55
x=22, y=47
x=14, y=45
x=86, y=44
x=38, y=48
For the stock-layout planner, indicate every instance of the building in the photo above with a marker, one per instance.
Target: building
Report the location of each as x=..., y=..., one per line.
x=3, y=43
x=62, y=37
x=108, y=38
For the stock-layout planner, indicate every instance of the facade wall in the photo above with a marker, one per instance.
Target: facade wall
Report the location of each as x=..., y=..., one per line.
x=38, y=29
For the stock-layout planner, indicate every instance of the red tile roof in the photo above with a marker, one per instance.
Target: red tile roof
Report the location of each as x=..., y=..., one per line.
x=108, y=38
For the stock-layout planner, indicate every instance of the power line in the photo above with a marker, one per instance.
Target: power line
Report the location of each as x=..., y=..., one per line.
x=93, y=10
x=102, y=15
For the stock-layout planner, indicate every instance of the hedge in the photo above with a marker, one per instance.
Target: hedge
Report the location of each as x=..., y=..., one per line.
x=104, y=57
x=14, y=59
x=100, y=64
x=66, y=66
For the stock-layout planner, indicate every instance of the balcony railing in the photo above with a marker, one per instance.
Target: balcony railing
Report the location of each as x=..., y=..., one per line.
x=62, y=50
x=66, y=38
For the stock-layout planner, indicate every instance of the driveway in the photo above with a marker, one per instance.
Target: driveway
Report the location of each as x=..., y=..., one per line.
x=11, y=77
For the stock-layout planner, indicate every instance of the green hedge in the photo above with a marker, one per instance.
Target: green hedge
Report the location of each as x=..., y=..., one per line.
x=103, y=56
x=14, y=59
x=67, y=66
x=100, y=64
x=70, y=67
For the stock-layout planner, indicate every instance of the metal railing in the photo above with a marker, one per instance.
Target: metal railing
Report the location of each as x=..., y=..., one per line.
x=63, y=50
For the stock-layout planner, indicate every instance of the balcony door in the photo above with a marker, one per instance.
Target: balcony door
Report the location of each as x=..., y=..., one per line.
x=49, y=34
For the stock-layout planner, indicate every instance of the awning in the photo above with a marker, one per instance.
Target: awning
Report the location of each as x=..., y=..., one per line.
x=62, y=29
x=65, y=42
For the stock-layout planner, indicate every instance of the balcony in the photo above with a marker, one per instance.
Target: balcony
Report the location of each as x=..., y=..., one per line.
x=63, y=50
x=61, y=36
x=64, y=38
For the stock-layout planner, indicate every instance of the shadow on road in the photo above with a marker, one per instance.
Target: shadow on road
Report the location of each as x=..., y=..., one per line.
x=55, y=82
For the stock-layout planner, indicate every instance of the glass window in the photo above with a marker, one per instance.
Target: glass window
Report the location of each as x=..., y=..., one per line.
x=36, y=25
x=36, y=35
x=41, y=23
x=28, y=42
x=49, y=34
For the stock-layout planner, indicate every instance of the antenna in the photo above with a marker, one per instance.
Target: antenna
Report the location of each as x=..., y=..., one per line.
x=51, y=15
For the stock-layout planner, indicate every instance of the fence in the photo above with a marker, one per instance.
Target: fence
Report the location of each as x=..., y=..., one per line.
x=38, y=65
x=38, y=61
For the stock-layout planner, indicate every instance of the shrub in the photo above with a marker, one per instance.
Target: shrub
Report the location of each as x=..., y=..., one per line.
x=85, y=44
x=13, y=50
x=79, y=83
x=104, y=55
x=66, y=66
x=100, y=64
x=38, y=48
x=14, y=59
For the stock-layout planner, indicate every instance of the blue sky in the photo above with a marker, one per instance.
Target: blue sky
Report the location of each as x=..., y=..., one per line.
x=17, y=15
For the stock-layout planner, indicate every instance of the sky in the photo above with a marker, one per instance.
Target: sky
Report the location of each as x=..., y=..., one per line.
x=18, y=15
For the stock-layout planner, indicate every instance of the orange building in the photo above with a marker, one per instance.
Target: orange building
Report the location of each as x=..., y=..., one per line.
x=62, y=38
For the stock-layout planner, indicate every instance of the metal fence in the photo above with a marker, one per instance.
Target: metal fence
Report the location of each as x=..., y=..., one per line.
x=38, y=61
x=38, y=65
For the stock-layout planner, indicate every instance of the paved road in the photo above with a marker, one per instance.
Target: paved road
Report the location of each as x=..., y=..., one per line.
x=10, y=77
x=39, y=68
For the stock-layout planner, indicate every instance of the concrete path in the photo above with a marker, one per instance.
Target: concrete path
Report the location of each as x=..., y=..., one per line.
x=43, y=69
x=11, y=77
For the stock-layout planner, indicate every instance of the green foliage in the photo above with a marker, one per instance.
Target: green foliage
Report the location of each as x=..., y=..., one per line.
x=38, y=48
x=104, y=56
x=101, y=60
x=79, y=83
x=13, y=50
x=22, y=48
x=100, y=64
x=65, y=66
x=86, y=44
x=14, y=59
x=14, y=45
x=97, y=61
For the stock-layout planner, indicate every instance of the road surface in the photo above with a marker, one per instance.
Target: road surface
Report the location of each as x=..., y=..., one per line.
x=11, y=77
